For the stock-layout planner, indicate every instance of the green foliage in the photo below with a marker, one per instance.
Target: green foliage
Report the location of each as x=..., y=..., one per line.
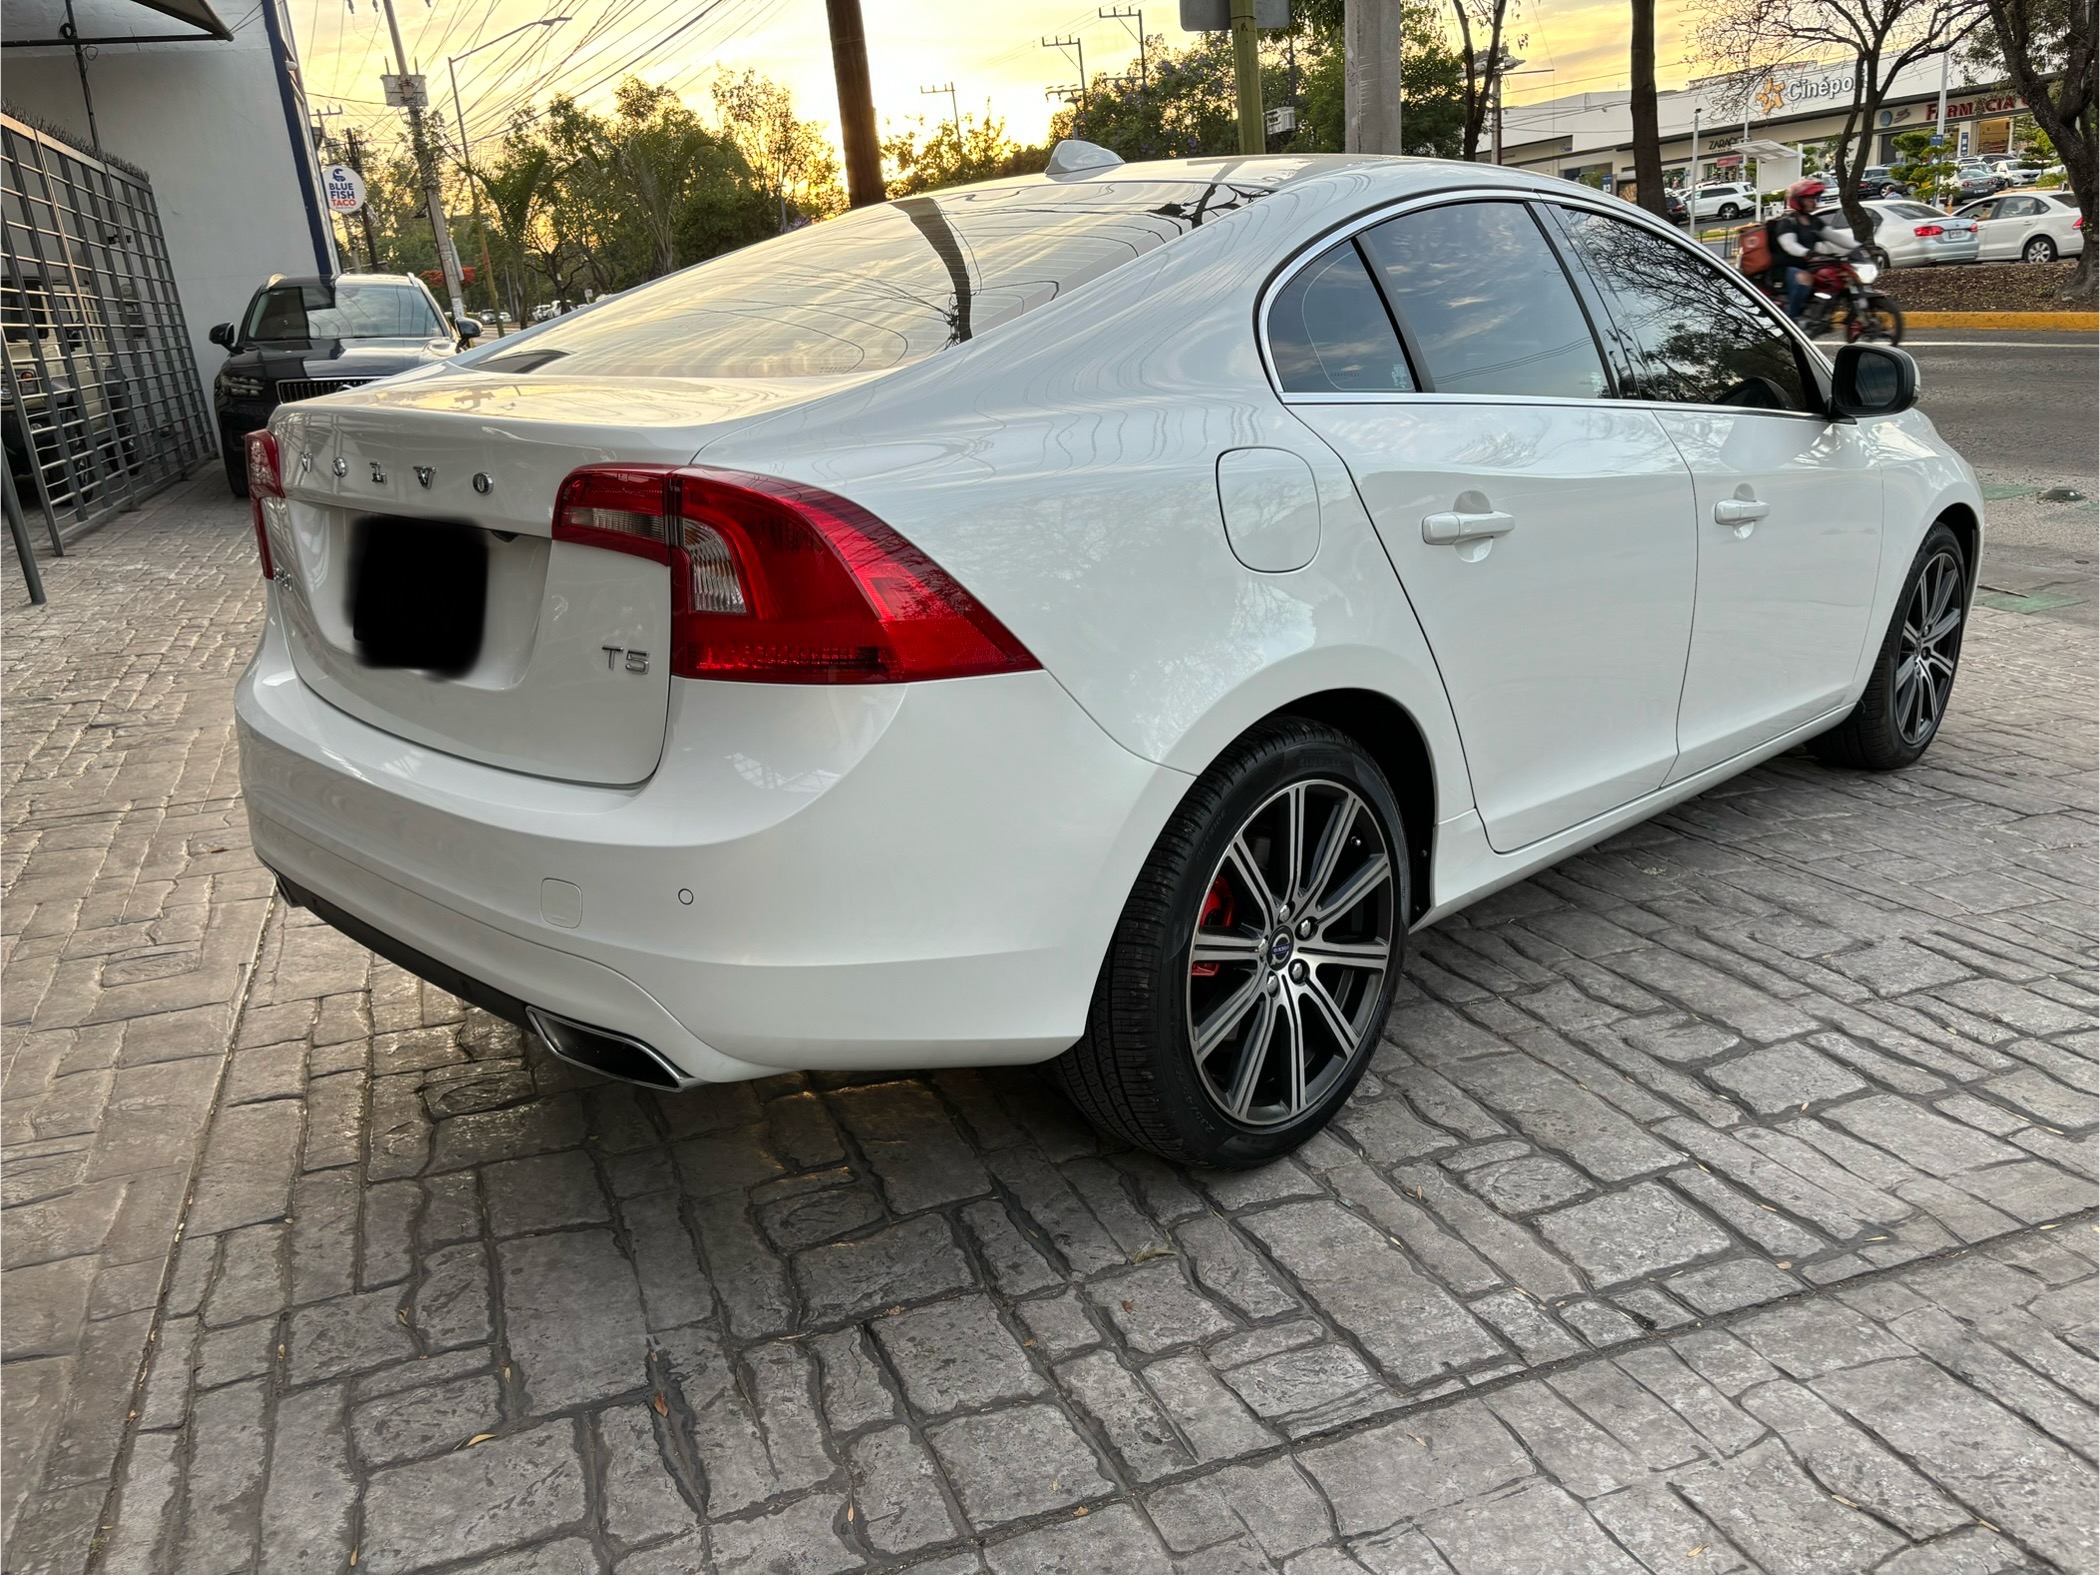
x=924, y=161
x=1920, y=166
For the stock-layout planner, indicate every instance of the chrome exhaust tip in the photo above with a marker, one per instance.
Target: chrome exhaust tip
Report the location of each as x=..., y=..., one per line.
x=615, y=1055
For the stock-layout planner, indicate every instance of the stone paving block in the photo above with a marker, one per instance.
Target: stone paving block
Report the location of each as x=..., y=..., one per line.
x=1740, y=1283
x=151, y=1486
x=716, y=1418
x=1508, y=1245
x=1059, y=1326
x=1526, y=1325
x=1574, y=1450
x=640, y=1498
x=2009, y=1383
x=1527, y=1185
x=956, y=1354
x=1107, y=1195
x=1022, y=1461
x=1533, y=1527
x=782, y=1381
x=1558, y=1114
x=1397, y=1549
x=1413, y=1466
x=1125, y=1415
x=674, y=1290
x=306, y=1506
x=1017, y=1267
x=1311, y=1390
x=1057, y=1211
x=503, y=1492
x=1770, y=1509
x=1973, y=1551
x=905, y=1262
x=427, y=1420
x=1155, y=1309
x=1211, y=1417
x=542, y=1193
x=1272, y=1504
x=573, y=1315
x=346, y=1335
x=747, y=1276
x=1414, y=1328
x=1930, y=1142
x=450, y=1304
x=1784, y=1078
x=1651, y=1523
x=1113, y=1539
x=1667, y=1377
x=234, y=1352
x=1627, y=1235
x=228, y=1448
x=1612, y=1400
x=915, y=1151
x=808, y=1216
x=1848, y=1462
x=897, y=1493
x=1439, y=1249
x=852, y=1388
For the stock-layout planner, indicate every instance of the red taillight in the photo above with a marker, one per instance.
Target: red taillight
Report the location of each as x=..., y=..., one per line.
x=1930, y=229
x=264, y=481
x=777, y=582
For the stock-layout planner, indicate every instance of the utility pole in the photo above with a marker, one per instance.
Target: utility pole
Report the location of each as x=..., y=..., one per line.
x=355, y=144
x=1246, y=71
x=1124, y=14
x=954, y=108
x=1939, y=128
x=1691, y=180
x=1371, y=76
x=1074, y=44
x=413, y=97
x=849, y=67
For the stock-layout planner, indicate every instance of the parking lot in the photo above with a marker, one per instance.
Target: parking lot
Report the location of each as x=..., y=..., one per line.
x=1720, y=1199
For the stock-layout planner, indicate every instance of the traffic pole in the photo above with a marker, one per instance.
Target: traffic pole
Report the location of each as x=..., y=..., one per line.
x=1246, y=71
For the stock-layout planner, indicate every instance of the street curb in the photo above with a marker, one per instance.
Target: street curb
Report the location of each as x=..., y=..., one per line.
x=2076, y=322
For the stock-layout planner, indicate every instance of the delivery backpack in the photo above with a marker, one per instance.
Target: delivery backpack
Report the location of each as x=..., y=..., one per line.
x=1753, y=245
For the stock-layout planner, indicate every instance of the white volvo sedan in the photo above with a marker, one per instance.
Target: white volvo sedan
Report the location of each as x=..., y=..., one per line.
x=1087, y=618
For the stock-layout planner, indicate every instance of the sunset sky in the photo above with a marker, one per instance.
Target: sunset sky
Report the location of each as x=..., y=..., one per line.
x=992, y=51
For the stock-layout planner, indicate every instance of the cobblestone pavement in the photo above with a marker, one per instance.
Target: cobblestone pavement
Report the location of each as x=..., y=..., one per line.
x=1721, y=1199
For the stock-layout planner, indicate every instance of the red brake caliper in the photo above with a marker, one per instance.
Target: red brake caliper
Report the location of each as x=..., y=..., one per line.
x=1217, y=906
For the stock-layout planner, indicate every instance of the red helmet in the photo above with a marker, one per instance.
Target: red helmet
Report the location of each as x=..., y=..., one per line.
x=1803, y=196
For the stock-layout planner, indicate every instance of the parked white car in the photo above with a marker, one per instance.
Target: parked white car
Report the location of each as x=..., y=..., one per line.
x=1911, y=234
x=1724, y=201
x=2031, y=226
x=1087, y=618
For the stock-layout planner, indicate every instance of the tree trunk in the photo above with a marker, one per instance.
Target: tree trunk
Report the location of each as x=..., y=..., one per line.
x=2066, y=114
x=1647, y=135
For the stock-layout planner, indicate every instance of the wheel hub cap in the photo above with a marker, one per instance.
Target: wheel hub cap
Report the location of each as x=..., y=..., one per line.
x=1278, y=1011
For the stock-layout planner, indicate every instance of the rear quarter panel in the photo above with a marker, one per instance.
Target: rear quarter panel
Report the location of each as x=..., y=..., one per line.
x=1063, y=468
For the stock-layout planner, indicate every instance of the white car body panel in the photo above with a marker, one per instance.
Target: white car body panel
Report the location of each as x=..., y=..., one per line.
x=1896, y=233
x=929, y=874
x=2004, y=240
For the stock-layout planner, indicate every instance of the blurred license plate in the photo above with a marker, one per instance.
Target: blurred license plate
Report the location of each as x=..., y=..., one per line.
x=418, y=593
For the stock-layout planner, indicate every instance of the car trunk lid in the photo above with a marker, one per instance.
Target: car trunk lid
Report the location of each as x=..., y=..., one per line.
x=422, y=591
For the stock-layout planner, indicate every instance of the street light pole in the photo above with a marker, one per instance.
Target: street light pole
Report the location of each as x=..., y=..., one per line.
x=488, y=267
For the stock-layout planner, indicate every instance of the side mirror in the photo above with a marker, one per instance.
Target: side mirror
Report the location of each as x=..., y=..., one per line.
x=1873, y=380
x=469, y=328
x=222, y=334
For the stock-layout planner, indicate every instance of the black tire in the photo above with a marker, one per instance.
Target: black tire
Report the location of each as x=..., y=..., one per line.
x=1883, y=324
x=1728, y=210
x=235, y=458
x=1883, y=732
x=2039, y=249
x=1135, y=1073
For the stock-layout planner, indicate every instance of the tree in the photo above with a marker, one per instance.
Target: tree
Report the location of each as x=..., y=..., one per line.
x=1925, y=168
x=1486, y=19
x=1647, y=132
x=1431, y=81
x=792, y=159
x=1750, y=38
x=2048, y=50
x=980, y=151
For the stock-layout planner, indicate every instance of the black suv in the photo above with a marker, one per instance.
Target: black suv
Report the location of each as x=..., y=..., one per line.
x=301, y=338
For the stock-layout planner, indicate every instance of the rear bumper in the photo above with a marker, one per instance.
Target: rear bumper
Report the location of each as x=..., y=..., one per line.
x=851, y=877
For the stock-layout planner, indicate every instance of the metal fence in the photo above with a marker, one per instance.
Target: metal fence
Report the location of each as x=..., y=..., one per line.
x=103, y=404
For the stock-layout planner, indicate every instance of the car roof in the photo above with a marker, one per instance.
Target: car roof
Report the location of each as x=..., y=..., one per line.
x=337, y=279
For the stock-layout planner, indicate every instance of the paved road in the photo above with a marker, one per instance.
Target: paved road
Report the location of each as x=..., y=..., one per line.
x=1720, y=1199
x=2023, y=409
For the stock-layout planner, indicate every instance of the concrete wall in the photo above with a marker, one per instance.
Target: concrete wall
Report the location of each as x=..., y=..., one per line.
x=207, y=122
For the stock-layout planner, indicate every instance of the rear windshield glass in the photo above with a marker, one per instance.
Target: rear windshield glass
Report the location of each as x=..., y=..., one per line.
x=307, y=313
x=879, y=287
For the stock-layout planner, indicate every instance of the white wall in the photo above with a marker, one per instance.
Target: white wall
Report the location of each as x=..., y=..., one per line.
x=206, y=121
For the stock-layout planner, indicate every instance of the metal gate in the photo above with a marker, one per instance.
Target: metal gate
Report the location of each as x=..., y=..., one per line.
x=103, y=402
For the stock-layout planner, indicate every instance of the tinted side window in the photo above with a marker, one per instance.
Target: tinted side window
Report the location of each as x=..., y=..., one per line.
x=1695, y=340
x=1485, y=302
x=1329, y=333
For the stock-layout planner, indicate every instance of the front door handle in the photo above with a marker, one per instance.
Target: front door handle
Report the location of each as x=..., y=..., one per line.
x=1447, y=527
x=1740, y=511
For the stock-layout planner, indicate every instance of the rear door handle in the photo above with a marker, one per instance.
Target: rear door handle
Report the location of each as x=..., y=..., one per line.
x=1740, y=511
x=1447, y=527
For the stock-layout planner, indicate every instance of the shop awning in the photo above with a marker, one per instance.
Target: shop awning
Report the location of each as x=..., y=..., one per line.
x=32, y=23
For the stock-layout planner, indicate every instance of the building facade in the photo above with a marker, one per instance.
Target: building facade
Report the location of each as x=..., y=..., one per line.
x=1589, y=136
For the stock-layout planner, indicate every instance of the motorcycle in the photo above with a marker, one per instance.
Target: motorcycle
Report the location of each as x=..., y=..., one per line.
x=1842, y=297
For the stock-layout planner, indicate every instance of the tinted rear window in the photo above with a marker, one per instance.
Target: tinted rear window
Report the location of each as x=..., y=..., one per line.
x=879, y=287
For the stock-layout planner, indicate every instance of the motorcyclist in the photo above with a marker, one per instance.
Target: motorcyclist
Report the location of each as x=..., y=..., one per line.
x=1801, y=236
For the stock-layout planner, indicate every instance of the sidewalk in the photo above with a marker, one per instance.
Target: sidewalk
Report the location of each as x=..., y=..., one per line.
x=1722, y=1199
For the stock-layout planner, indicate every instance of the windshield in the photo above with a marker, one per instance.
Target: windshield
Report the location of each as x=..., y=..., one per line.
x=304, y=314
x=881, y=286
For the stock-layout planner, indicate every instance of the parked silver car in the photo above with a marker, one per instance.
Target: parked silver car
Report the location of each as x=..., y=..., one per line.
x=1908, y=234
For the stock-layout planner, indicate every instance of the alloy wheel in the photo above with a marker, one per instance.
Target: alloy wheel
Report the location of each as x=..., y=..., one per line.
x=2040, y=250
x=1292, y=944
x=1928, y=649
